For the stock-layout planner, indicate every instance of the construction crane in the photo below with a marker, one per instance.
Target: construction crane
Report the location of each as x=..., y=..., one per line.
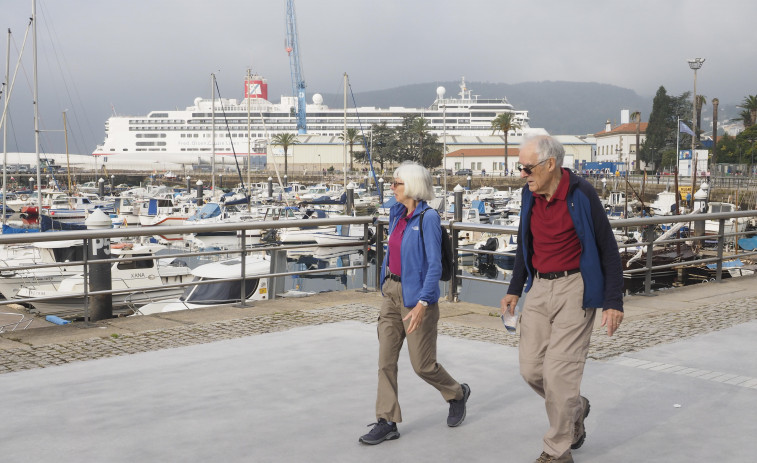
x=298, y=79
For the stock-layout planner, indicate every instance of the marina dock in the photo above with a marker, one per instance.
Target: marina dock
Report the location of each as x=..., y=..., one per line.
x=293, y=380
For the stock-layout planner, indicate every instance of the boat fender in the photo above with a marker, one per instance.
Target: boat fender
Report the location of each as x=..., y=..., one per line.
x=57, y=320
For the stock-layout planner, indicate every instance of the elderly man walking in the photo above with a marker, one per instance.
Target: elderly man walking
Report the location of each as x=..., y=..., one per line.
x=568, y=263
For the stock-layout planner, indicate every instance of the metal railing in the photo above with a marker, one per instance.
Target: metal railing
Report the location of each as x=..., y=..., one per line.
x=243, y=251
x=647, y=227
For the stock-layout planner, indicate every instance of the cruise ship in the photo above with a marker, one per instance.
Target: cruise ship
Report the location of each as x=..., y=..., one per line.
x=228, y=126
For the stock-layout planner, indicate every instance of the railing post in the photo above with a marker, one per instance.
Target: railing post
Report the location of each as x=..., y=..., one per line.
x=99, y=273
x=649, y=238
x=379, y=252
x=278, y=265
x=455, y=237
x=365, y=257
x=721, y=244
x=243, y=295
x=349, y=206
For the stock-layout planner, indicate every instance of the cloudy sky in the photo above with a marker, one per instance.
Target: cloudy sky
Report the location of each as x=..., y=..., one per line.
x=100, y=56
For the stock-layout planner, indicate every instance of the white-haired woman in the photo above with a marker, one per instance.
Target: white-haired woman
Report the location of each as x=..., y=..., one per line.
x=410, y=277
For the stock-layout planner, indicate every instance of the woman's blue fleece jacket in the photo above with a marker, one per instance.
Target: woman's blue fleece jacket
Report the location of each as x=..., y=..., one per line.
x=421, y=260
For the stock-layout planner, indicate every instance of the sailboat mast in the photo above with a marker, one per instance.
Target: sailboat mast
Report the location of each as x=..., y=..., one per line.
x=249, y=139
x=213, y=133
x=68, y=161
x=36, y=111
x=5, y=126
x=344, y=134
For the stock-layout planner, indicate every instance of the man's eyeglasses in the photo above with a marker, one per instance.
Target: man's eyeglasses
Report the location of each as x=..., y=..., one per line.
x=530, y=169
x=396, y=184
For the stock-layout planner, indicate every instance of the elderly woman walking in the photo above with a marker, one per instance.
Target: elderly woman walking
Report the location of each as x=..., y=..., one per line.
x=410, y=277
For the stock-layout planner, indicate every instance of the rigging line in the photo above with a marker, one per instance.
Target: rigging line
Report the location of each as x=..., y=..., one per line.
x=273, y=158
x=19, y=64
x=362, y=132
x=231, y=140
x=53, y=41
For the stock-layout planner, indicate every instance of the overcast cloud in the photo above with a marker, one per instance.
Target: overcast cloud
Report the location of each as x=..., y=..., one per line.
x=138, y=55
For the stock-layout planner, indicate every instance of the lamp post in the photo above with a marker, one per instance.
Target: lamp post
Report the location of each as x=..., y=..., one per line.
x=694, y=64
x=320, y=167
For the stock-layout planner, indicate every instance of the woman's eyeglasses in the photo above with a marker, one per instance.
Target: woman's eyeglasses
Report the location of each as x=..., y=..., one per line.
x=396, y=184
x=530, y=169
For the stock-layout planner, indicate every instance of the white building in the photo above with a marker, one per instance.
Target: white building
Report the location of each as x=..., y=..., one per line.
x=618, y=144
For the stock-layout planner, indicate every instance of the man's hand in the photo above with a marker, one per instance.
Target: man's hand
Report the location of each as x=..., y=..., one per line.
x=612, y=319
x=508, y=304
x=415, y=316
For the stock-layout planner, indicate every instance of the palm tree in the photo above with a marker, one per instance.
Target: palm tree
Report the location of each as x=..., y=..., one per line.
x=353, y=136
x=420, y=127
x=504, y=123
x=701, y=101
x=637, y=115
x=745, y=117
x=750, y=106
x=285, y=140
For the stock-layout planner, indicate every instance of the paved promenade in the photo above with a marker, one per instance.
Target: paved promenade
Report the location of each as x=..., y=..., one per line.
x=294, y=380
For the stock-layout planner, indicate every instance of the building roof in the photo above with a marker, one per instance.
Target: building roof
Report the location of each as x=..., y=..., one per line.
x=623, y=129
x=484, y=152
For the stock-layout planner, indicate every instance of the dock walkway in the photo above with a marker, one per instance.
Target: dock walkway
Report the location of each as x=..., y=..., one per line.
x=293, y=380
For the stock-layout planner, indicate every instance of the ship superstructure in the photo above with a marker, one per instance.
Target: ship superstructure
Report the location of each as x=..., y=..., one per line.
x=184, y=136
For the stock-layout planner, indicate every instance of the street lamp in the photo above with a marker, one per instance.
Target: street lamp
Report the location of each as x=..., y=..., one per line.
x=320, y=166
x=694, y=64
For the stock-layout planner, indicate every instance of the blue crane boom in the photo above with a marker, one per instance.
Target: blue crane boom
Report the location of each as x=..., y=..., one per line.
x=298, y=79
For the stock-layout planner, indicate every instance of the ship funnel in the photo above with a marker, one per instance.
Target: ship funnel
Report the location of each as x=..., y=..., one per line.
x=256, y=87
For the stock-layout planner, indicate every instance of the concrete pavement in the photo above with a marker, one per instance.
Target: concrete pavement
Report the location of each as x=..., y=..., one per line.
x=294, y=381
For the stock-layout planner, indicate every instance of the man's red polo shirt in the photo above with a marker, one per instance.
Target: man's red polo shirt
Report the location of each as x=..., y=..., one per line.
x=556, y=245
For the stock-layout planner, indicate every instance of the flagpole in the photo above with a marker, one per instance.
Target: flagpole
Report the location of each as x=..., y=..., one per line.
x=678, y=134
x=678, y=156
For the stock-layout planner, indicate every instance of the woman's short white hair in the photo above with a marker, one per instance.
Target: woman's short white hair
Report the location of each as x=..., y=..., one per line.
x=418, y=182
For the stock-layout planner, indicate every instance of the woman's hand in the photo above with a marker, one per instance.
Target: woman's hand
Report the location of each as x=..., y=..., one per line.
x=415, y=316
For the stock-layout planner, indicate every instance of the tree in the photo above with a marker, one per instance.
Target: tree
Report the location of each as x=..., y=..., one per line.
x=382, y=146
x=662, y=128
x=504, y=123
x=726, y=151
x=353, y=136
x=749, y=105
x=739, y=149
x=745, y=117
x=285, y=140
x=419, y=127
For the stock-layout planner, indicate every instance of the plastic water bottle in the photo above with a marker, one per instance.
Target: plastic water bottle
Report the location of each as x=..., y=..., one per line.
x=511, y=321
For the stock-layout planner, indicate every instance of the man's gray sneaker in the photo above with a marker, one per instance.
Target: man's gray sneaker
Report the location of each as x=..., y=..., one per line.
x=457, y=408
x=381, y=431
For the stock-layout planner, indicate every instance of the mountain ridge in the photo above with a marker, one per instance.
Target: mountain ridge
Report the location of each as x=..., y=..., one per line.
x=560, y=107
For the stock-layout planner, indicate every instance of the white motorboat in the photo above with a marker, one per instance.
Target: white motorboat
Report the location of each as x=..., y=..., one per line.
x=140, y=281
x=43, y=252
x=344, y=235
x=712, y=227
x=218, y=292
